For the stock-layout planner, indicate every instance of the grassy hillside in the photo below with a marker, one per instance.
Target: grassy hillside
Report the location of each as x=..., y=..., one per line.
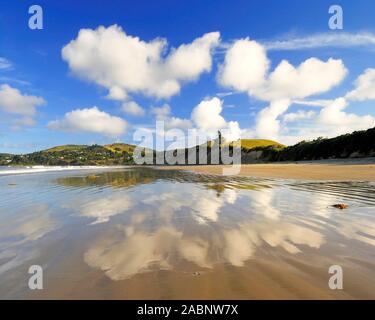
x=67, y=147
x=120, y=147
x=248, y=144
x=256, y=143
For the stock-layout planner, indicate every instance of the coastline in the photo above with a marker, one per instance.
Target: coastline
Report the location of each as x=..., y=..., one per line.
x=350, y=170
x=362, y=169
x=13, y=170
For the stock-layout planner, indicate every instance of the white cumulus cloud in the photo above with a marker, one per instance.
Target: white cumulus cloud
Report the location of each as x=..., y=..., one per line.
x=246, y=69
x=365, y=87
x=207, y=118
x=13, y=101
x=343, y=122
x=206, y=115
x=163, y=113
x=132, y=108
x=126, y=64
x=313, y=76
x=268, y=124
x=331, y=121
x=245, y=66
x=90, y=120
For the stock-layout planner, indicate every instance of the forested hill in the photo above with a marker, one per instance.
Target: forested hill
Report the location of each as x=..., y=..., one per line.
x=358, y=144
x=114, y=154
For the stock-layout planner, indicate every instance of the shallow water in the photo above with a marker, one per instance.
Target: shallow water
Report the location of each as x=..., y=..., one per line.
x=145, y=233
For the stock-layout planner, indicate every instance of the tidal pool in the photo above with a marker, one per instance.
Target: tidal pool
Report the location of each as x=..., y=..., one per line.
x=143, y=233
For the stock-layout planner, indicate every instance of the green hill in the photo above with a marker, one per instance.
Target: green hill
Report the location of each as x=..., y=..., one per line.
x=76, y=155
x=247, y=144
x=255, y=143
x=67, y=147
x=120, y=147
x=358, y=144
x=354, y=145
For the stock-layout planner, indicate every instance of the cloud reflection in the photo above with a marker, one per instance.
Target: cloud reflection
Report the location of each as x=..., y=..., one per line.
x=103, y=208
x=171, y=225
x=145, y=245
x=18, y=236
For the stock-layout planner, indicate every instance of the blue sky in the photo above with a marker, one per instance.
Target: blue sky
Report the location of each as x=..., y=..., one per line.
x=31, y=62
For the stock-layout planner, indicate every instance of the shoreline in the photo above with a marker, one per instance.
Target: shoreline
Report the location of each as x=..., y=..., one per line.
x=16, y=170
x=362, y=169
x=323, y=171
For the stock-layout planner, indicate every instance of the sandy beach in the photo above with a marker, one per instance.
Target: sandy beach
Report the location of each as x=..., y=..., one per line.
x=140, y=233
x=335, y=171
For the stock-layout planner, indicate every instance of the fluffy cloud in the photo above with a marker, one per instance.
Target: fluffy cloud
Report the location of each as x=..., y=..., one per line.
x=365, y=87
x=208, y=119
x=206, y=115
x=175, y=122
x=311, y=77
x=90, y=120
x=232, y=131
x=204, y=123
x=132, y=108
x=163, y=113
x=267, y=124
x=245, y=66
x=299, y=115
x=13, y=101
x=334, y=116
x=246, y=69
x=331, y=121
x=126, y=64
x=116, y=93
x=21, y=106
x=188, y=61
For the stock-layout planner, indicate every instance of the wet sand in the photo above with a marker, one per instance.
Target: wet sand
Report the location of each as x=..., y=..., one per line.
x=140, y=233
x=341, y=171
x=259, y=278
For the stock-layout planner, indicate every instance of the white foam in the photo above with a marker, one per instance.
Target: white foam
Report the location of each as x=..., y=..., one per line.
x=37, y=169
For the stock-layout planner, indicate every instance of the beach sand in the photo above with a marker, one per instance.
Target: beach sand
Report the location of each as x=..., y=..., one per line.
x=335, y=171
x=138, y=233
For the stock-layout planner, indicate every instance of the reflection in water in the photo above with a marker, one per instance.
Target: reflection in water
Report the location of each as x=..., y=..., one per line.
x=140, y=221
x=103, y=208
x=127, y=178
x=116, y=179
x=262, y=204
x=140, y=247
x=128, y=253
x=19, y=233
